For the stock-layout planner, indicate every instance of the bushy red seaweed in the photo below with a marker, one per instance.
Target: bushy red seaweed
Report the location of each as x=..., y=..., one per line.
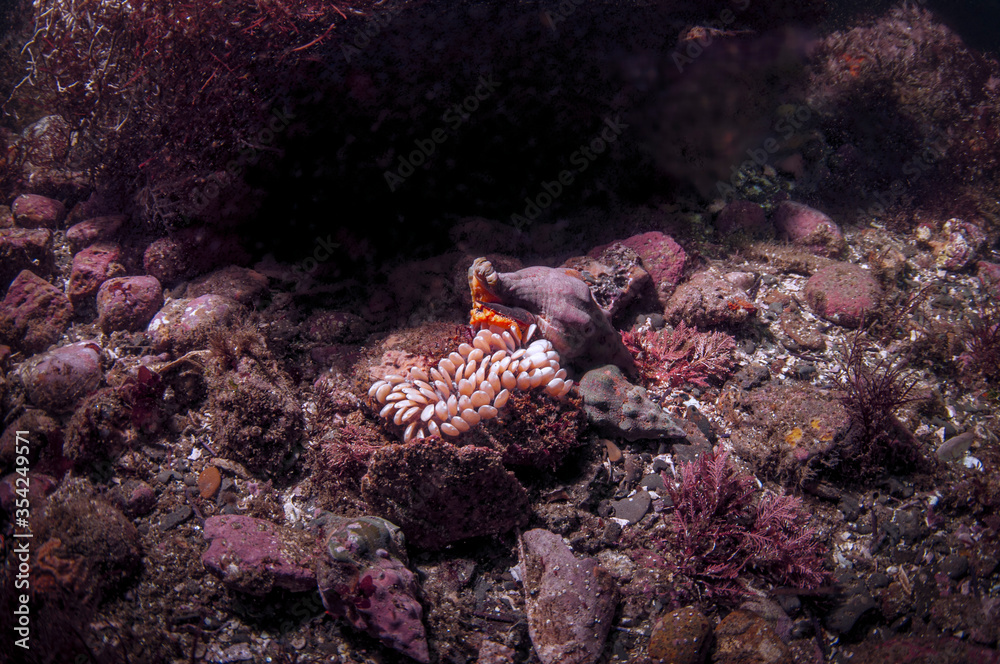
x=720, y=536
x=670, y=358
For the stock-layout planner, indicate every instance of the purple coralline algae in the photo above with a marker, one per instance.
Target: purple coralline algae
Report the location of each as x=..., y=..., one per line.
x=842, y=292
x=809, y=228
x=127, y=303
x=24, y=249
x=570, y=602
x=56, y=380
x=34, y=211
x=185, y=324
x=33, y=314
x=95, y=229
x=253, y=556
x=91, y=268
x=363, y=578
x=619, y=408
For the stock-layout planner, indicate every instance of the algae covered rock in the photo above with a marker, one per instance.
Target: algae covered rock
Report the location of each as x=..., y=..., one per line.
x=570, y=602
x=619, y=408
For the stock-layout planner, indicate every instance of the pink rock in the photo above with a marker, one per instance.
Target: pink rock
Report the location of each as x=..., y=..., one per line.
x=254, y=556
x=24, y=249
x=242, y=284
x=34, y=211
x=744, y=217
x=989, y=278
x=91, y=268
x=95, y=229
x=661, y=256
x=809, y=228
x=127, y=303
x=56, y=380
x=364, y=579
x=707, y=299
x=842, y=292
x=570, y=602
x=190, y=252
x=33, y=314
x=184, y=324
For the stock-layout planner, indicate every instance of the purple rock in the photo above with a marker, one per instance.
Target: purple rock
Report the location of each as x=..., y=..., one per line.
x=141, y=500
x=184, y=324
x=24, y=249
x=807, y=227
x=190, y=252
x=744, y=217
x=707, y=299
x=34, y=211
x=619, y=408
x=842, y=292
x=33, y=314
x=95, y=229
x=570, y=602
x=91, y=268
x=242, y=284
x=661, y=256
x=364, y=580
x=56, y=380
x=128, y=303
x=989, y=278
x=253, y=556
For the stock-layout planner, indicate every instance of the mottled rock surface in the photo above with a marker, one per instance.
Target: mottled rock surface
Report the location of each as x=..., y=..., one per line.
x=746, y=638
x=184, y=325
x=707, y=299
x=96, y=229
x=570, y=602
x=24, y=249
x=682, y=636
x=253, y=556
x=242, y=284
x=619, y=408
x=439, y=493
x=33, y=314
x=127, y=303
x=56, y=380
x=809, y=228
x=842, y=292
x=34, y=211
x=91, y=268
x=363, y=578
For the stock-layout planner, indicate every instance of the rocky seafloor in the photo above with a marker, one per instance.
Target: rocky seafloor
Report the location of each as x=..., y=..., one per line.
x=755, y=422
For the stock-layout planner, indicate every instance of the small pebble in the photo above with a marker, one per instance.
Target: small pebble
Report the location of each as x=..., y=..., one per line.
x=175, y=518
x=209, y=481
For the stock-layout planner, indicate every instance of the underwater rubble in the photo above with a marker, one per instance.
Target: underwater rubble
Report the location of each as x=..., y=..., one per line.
x=735, y=402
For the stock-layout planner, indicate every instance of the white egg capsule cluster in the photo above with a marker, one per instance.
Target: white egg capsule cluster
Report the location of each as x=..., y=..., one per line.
x=468, y=386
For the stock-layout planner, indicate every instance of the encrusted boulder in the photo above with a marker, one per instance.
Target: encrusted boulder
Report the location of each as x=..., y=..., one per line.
x=809, y=228
x=33, y=314
x=24, y=249
x=439, y=493
x=620, y=409
x=56, y=380
x=842, y=292
x=127, y=303
x=570, y=601
x=95, y=229
x=183, y=325
x=363, y=578
x=91, y=268
x=253, y=556
x=34, y=211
